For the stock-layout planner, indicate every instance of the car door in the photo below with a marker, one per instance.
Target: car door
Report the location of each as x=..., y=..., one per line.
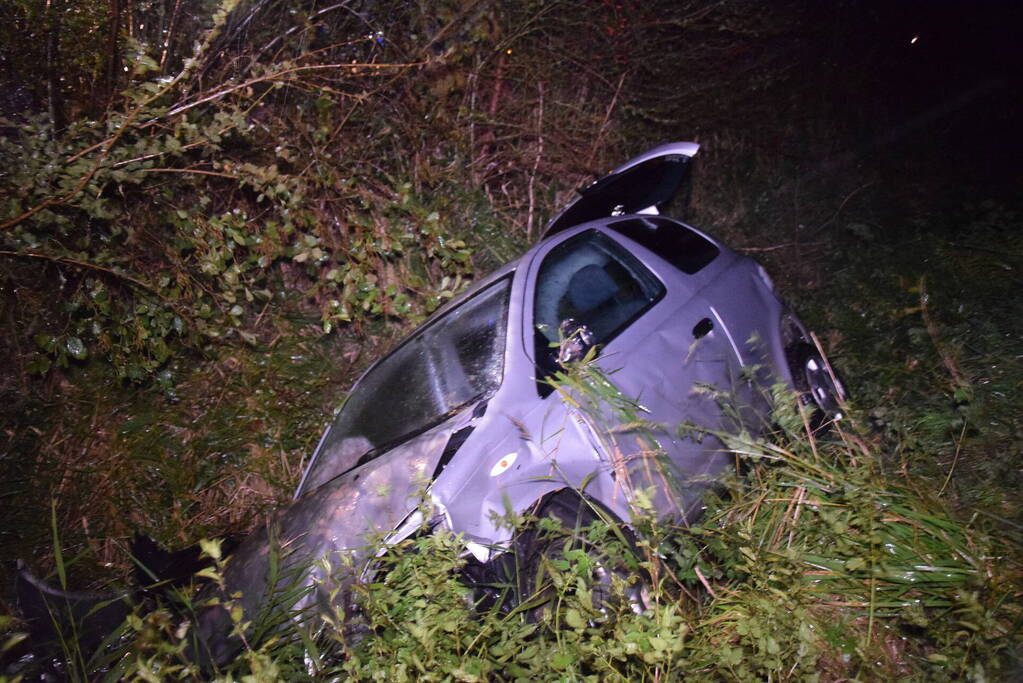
x=658, y=341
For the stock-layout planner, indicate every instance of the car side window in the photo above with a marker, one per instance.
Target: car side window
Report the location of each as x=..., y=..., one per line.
x=675, y=243
x=454, y=360
x=594, y=282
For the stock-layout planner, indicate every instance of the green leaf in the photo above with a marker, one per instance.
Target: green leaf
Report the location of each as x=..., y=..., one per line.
x=39, y=364
x=58, y=556
x=210, y=547
x=855, y=563
x=574, y=619
x=562, y=660
x=76, y=348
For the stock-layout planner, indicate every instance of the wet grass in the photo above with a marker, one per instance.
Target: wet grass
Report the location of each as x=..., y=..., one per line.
x=930, y=324
x=817, y=563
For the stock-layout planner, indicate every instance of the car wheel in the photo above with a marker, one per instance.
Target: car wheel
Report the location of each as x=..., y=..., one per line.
x=609, y=567
x=819, y=385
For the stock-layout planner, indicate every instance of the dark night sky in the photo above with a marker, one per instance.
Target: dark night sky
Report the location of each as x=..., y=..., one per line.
x=955, y=89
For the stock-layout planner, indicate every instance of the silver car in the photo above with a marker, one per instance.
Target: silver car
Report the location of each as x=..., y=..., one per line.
x=466, y=414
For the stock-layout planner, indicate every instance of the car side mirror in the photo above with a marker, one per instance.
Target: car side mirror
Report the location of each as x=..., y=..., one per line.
x=576, y=341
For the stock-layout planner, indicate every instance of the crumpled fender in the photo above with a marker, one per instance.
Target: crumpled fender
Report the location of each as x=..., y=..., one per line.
x=319, y=542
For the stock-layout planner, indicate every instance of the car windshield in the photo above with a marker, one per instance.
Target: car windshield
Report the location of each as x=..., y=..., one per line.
x=454, y=360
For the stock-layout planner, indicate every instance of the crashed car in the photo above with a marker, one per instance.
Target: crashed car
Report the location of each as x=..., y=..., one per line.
x=465, y=412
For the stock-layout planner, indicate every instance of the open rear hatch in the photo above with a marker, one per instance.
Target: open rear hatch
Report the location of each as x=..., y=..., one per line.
x=645, y=184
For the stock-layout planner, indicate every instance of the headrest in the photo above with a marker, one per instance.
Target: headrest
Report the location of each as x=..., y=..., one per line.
x=590, y=287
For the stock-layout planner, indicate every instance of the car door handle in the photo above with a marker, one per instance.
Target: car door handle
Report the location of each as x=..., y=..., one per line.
x=703, y=328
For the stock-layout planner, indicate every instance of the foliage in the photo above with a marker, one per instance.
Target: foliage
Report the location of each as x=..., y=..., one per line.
x=231, y=224
x=204, y=452
x=273, y=155
x=930, y=321
x=201, y=217
x=812, y=565
x=170, y=255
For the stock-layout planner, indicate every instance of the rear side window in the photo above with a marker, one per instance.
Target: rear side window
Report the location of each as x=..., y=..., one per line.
x=452, y=361
x=675, y=243
x=596, y=283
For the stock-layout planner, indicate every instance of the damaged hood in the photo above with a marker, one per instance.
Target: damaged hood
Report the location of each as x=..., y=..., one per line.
x=319, y=543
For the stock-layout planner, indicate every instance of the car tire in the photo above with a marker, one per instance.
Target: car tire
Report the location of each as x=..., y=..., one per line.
x=538, y=549
x=820, y=387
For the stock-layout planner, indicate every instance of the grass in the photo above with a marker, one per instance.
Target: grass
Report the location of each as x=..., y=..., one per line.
x=820, y=568
x=930, y=323
x=819, y=562
x=890, y=548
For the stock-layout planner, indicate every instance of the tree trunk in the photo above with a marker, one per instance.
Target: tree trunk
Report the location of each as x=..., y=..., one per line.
x=113, y=54
x=54, y=96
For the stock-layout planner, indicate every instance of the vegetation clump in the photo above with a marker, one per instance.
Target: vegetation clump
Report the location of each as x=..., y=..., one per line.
x=214, y=215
